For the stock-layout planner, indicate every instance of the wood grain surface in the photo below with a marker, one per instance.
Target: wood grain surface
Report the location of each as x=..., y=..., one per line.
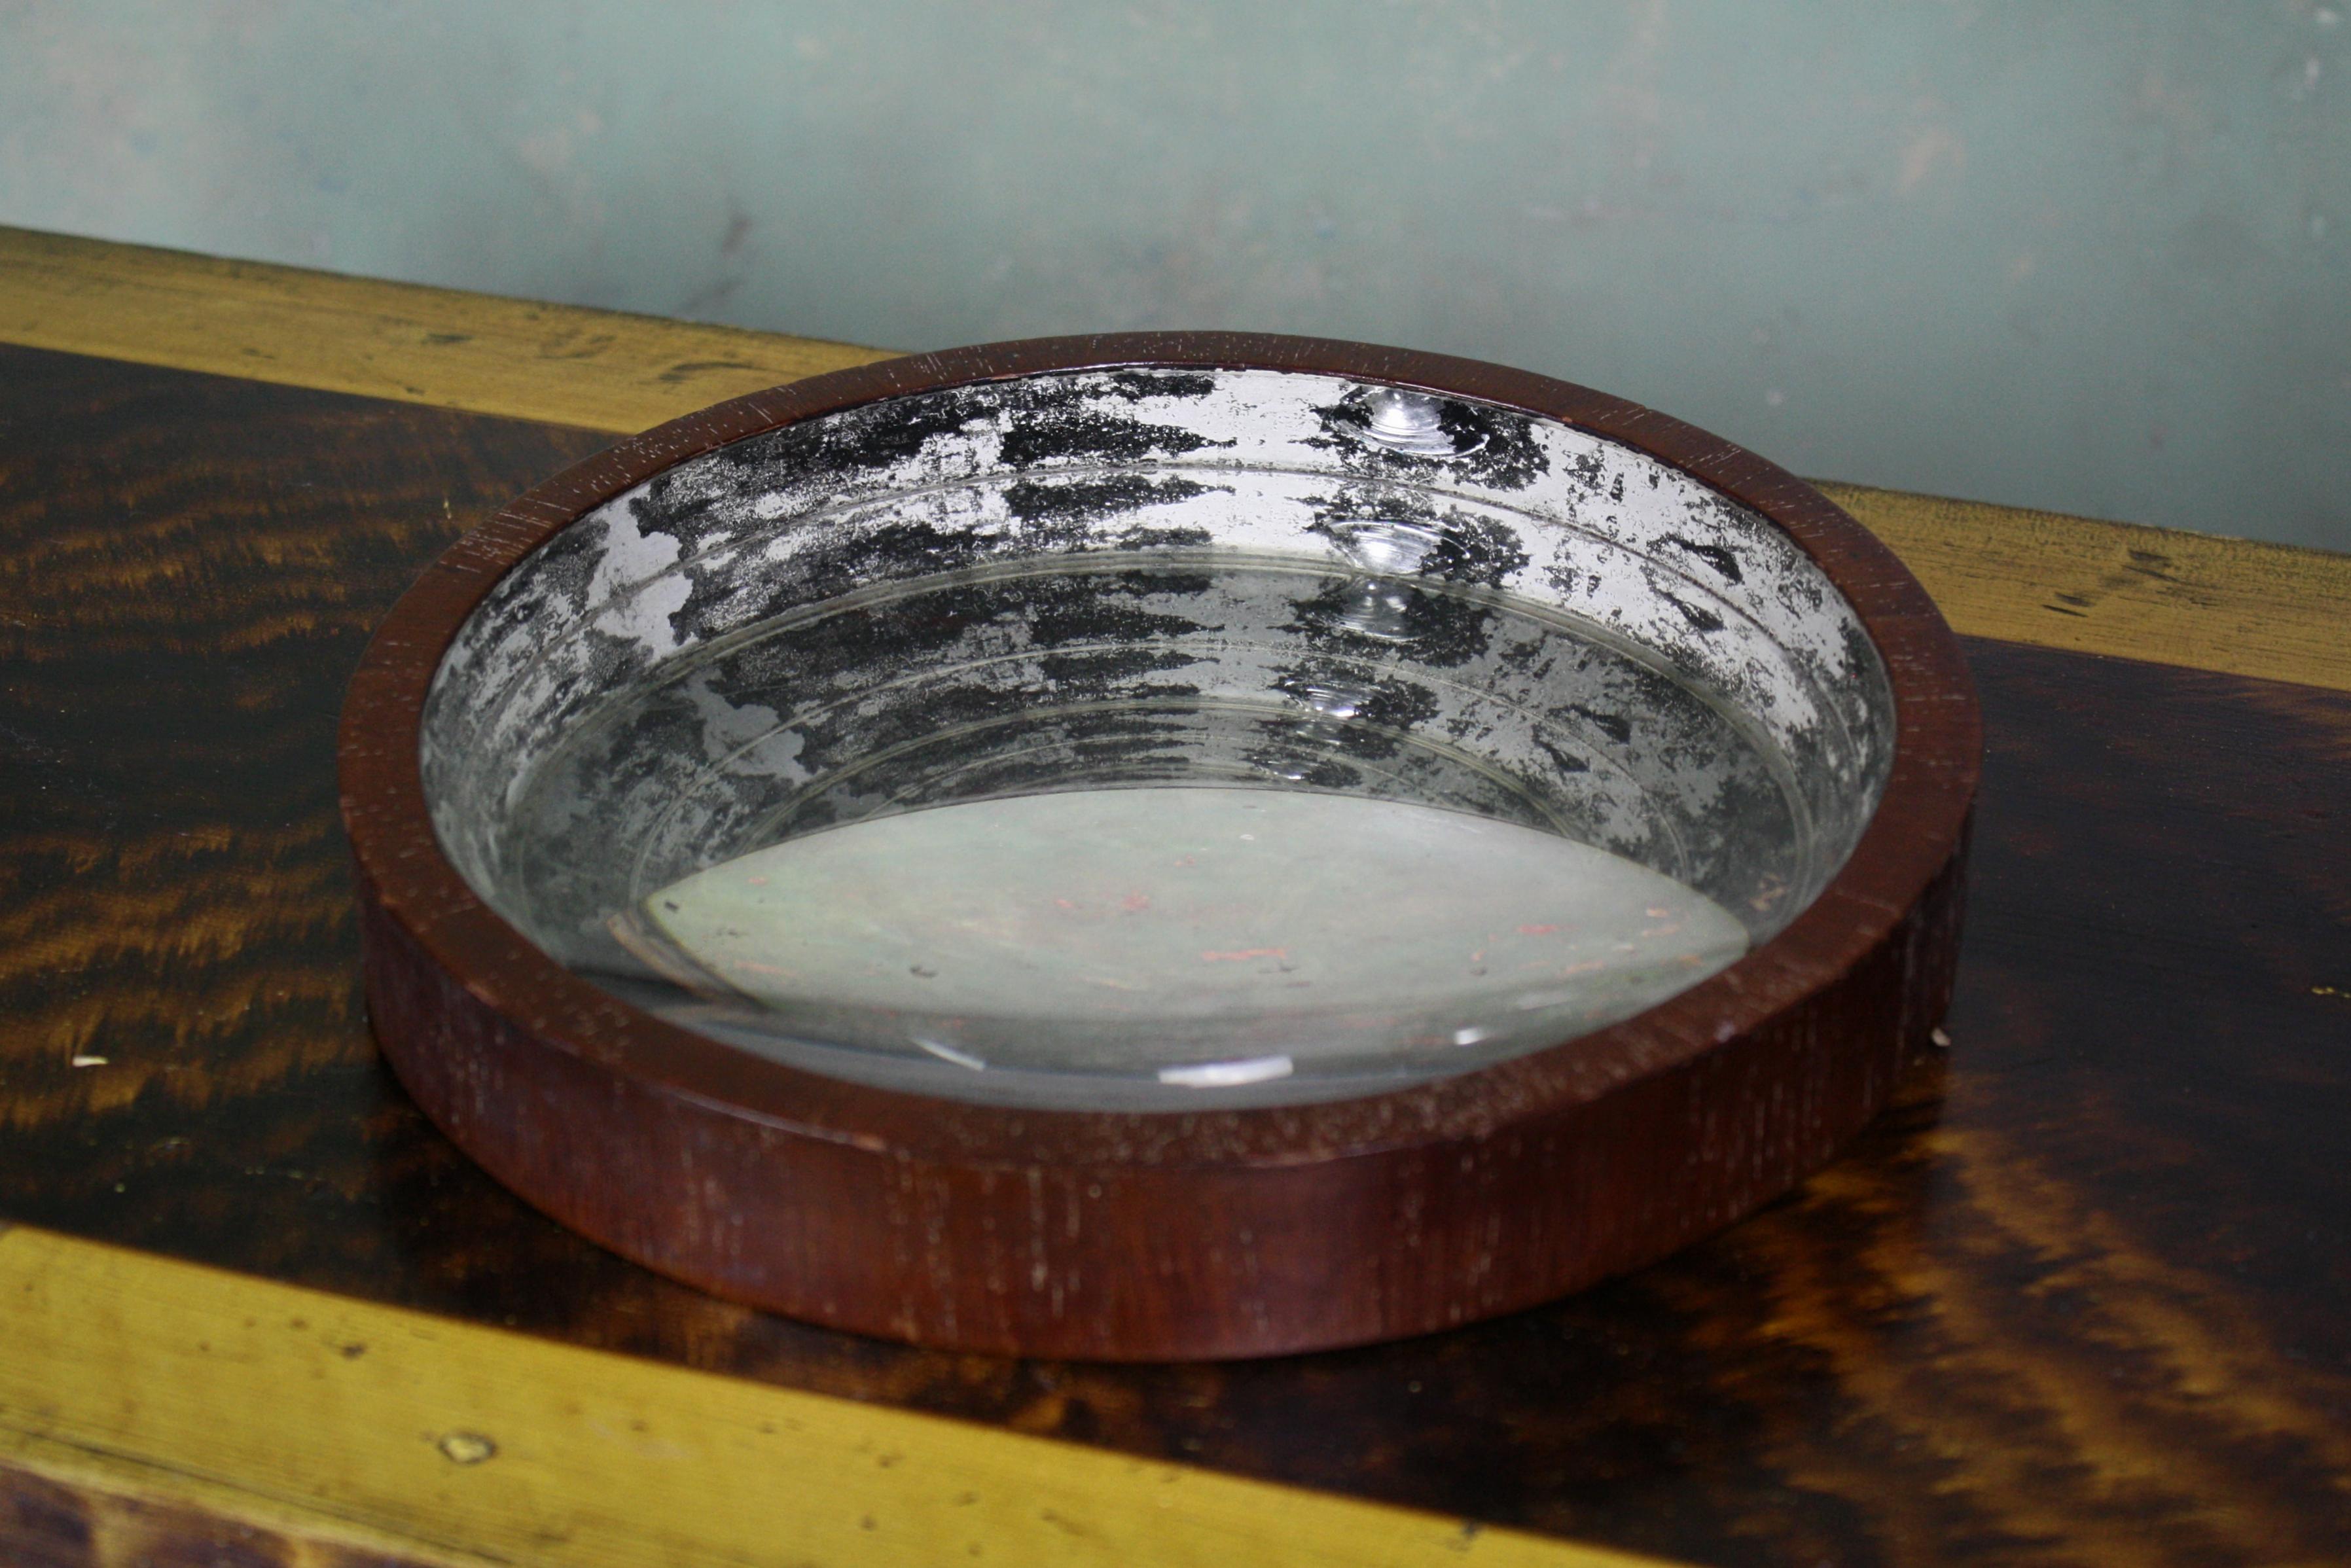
x=63, y=1505
x=603, y=370
x=2274, y=611
x=2216, y=603
x=335, y=1431
x=2084, y=1296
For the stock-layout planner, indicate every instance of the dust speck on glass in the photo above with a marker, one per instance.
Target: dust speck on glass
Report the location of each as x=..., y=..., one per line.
x=1154, y=739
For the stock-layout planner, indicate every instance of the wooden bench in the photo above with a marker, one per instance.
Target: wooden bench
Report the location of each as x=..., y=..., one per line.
x=2083, y=1296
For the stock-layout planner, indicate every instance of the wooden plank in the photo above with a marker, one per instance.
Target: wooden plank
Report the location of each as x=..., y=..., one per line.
x=392, y=1428
x=555, y=364
x=2235, y=606
x=2206, y=602
x=66, y=1507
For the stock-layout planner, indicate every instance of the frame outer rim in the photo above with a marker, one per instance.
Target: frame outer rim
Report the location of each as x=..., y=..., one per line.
x=1163, y=1234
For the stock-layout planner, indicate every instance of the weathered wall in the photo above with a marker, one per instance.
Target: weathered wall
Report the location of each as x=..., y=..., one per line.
x=2088, y=255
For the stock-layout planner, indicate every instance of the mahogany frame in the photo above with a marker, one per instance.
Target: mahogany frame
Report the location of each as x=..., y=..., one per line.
x=1140, y=1236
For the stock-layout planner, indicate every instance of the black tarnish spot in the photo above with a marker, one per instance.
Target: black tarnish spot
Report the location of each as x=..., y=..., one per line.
x=1042, y=437
x=1136, y=385
x=1720, y=557
x=1566, y=762
x=1614, y=725
x=1047, y=500
x=1698, y=615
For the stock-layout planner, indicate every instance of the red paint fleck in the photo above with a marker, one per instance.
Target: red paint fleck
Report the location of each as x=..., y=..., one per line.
x=1537, y=930
x=1244, y=953
x=1066, y=903
x=1136, y=902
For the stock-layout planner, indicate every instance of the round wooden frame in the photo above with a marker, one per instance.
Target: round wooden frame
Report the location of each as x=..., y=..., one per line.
x=1163, y=1234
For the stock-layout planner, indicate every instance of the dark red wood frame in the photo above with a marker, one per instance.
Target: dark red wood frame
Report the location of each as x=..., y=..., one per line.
x=1166, y=1234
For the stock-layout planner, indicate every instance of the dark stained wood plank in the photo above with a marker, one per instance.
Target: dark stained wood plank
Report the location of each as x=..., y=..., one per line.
x=2084, y=1296
x=48, y=1523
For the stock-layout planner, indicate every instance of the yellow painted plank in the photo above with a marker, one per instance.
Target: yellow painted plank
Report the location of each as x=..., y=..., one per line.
x=2248, y=609
x=461, y=1444
x=2206, y=602
x=556, y=363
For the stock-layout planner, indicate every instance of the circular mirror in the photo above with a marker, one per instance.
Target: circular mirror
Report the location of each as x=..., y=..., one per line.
x=1180, y=845
x=1158, y=738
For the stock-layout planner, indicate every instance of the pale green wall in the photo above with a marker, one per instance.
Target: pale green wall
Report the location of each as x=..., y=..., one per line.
x=2088, y=255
